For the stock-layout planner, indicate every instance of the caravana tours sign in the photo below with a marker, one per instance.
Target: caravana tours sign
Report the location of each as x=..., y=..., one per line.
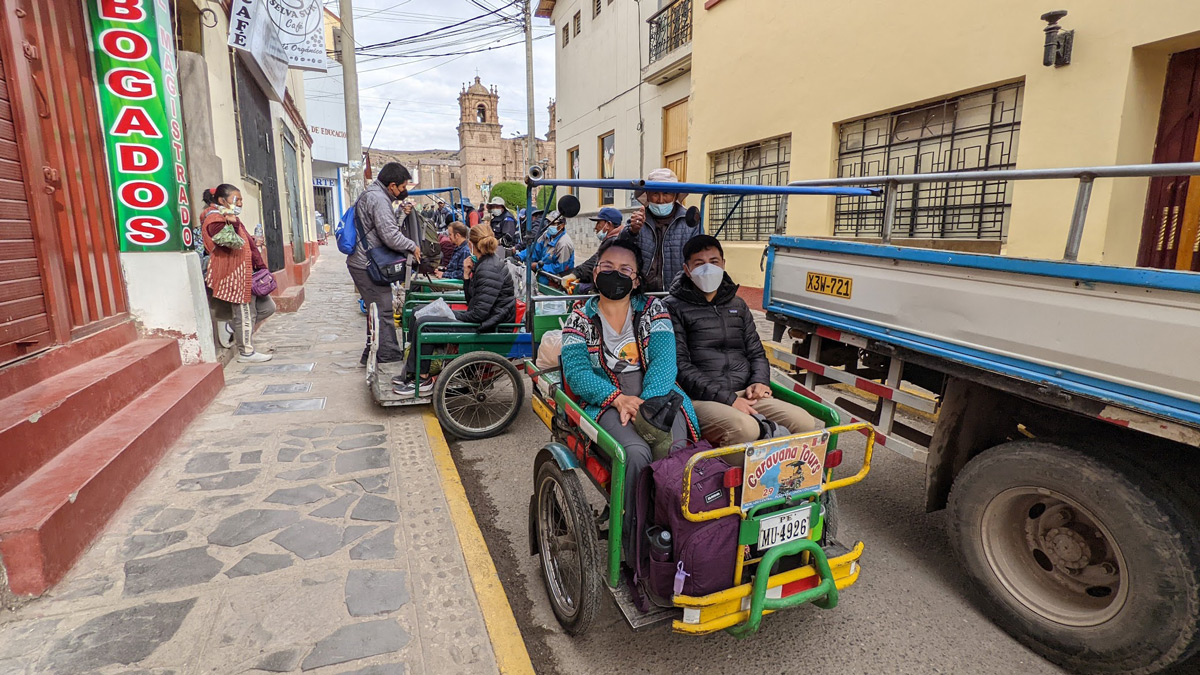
x=137, y=74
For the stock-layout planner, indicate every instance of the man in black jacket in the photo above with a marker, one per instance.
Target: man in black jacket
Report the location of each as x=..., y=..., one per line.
x=722, y=365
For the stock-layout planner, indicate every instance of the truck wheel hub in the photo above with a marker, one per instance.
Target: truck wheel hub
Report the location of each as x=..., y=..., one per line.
x=1067, y=548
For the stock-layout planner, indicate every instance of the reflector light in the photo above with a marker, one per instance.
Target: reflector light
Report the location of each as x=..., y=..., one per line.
x=733, y=477
x=833, y=459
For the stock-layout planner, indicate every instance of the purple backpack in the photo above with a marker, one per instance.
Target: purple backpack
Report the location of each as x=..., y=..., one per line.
x=703, y=554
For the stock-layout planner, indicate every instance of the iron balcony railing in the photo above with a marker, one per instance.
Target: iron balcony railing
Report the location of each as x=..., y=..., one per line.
x=670, y=28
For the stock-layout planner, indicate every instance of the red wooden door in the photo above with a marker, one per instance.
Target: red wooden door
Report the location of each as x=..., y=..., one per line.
x=24, y=321
x=60, y=161
x=1169, y=226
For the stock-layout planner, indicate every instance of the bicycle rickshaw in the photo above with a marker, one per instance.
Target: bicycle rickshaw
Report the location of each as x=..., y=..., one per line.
x=478, y=392
x=786, y=554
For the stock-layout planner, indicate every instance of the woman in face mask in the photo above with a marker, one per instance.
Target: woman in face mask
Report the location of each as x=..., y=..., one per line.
x=234, y=259
x=617, y=351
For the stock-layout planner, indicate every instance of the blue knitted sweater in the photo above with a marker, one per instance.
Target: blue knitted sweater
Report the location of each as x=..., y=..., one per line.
x=588, y=375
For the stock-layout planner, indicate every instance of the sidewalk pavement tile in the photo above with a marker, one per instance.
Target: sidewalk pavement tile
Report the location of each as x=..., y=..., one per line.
x=220, y=563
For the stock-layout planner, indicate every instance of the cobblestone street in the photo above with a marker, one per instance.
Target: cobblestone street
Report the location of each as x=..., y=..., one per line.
x=296, y=526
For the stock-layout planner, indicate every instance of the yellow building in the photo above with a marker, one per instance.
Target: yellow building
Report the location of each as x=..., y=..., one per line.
x=786, y=91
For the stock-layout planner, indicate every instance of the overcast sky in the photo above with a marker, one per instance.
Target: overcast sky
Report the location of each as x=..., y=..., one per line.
x=424, y=91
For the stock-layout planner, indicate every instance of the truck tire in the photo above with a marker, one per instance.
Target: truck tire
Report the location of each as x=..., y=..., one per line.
x=1092, y=563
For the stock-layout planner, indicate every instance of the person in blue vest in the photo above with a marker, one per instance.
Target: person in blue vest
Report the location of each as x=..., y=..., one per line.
x=553, y=252
x=659, y=229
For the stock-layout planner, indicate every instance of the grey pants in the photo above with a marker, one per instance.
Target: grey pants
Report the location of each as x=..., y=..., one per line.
x=637, y=457
x=245, y=317
x=389, y=348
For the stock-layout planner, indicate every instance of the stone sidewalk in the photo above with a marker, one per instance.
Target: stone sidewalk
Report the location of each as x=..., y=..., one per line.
x=295, y=527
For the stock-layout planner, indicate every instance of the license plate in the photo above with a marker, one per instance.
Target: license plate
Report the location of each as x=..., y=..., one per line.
x=784, y=527
x=827, y=284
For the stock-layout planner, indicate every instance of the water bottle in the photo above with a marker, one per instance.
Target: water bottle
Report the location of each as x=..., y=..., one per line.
x=660, y=544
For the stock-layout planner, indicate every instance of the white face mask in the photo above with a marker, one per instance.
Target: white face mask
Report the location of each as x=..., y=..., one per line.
x=661, y=210
x=497, y=212
x=707, y=277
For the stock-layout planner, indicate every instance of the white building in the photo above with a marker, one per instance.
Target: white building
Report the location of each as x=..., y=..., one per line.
x=623, y=77
x=327, y=124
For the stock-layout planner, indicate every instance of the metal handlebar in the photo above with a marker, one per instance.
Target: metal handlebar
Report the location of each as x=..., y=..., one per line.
x=734, y=508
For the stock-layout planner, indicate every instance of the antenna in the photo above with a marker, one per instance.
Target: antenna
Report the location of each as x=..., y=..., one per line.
x=385, y=109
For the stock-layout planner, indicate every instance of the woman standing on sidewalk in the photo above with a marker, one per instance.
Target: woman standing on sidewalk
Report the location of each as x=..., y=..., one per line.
x=234, y=259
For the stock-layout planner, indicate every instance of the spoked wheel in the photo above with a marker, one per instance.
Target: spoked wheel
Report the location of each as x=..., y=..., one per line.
x=372, y=338
x=478, y=395
x=829, y=533
x=569, y=549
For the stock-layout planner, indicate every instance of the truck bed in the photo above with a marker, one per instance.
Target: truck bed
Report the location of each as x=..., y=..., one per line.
x=1126, y=337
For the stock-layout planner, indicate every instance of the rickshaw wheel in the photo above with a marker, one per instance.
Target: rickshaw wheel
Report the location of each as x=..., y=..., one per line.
x=829, y=533
x=478, y=395
x=570, y=551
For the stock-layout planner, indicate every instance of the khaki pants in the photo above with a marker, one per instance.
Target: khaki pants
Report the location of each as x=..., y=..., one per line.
x=723, y=425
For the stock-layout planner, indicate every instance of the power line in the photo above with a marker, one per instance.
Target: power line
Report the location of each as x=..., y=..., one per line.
x=411, y=38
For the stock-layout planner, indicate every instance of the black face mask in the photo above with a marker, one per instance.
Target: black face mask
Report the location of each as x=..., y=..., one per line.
x=403, y=195
x=613, y=285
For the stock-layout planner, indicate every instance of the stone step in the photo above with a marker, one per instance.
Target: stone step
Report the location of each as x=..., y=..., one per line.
x=27, y=372
x=40, y=421
x=48, y=520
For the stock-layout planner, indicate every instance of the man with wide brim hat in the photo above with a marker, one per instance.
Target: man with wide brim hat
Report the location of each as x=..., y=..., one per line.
x=660, y=228
x=504, y=225
x=552, y=252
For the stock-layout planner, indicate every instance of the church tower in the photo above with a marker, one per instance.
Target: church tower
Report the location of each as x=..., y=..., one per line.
x=479, y=139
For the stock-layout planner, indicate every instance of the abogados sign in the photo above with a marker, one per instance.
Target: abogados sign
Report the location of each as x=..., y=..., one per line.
x=134, y=49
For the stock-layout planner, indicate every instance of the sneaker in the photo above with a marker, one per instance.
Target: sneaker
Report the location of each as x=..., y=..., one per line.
x=410, y=388
x=225, y=334
x=253, y=357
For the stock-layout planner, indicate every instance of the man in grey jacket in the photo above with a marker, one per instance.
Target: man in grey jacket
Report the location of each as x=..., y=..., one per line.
x=669, y=229
x=379, y=225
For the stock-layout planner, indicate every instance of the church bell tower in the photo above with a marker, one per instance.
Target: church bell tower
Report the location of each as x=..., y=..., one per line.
x=479, y=138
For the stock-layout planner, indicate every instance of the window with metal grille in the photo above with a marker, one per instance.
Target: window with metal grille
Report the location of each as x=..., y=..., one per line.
x=973, y=131
x=596, y=6
x=566, y=35
x=578, y=21
x=751, y=218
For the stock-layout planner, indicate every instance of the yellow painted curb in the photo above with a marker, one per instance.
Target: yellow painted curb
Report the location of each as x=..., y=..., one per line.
x=507, y=643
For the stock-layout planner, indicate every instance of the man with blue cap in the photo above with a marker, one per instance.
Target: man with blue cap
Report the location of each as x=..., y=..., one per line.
x=608, y=224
